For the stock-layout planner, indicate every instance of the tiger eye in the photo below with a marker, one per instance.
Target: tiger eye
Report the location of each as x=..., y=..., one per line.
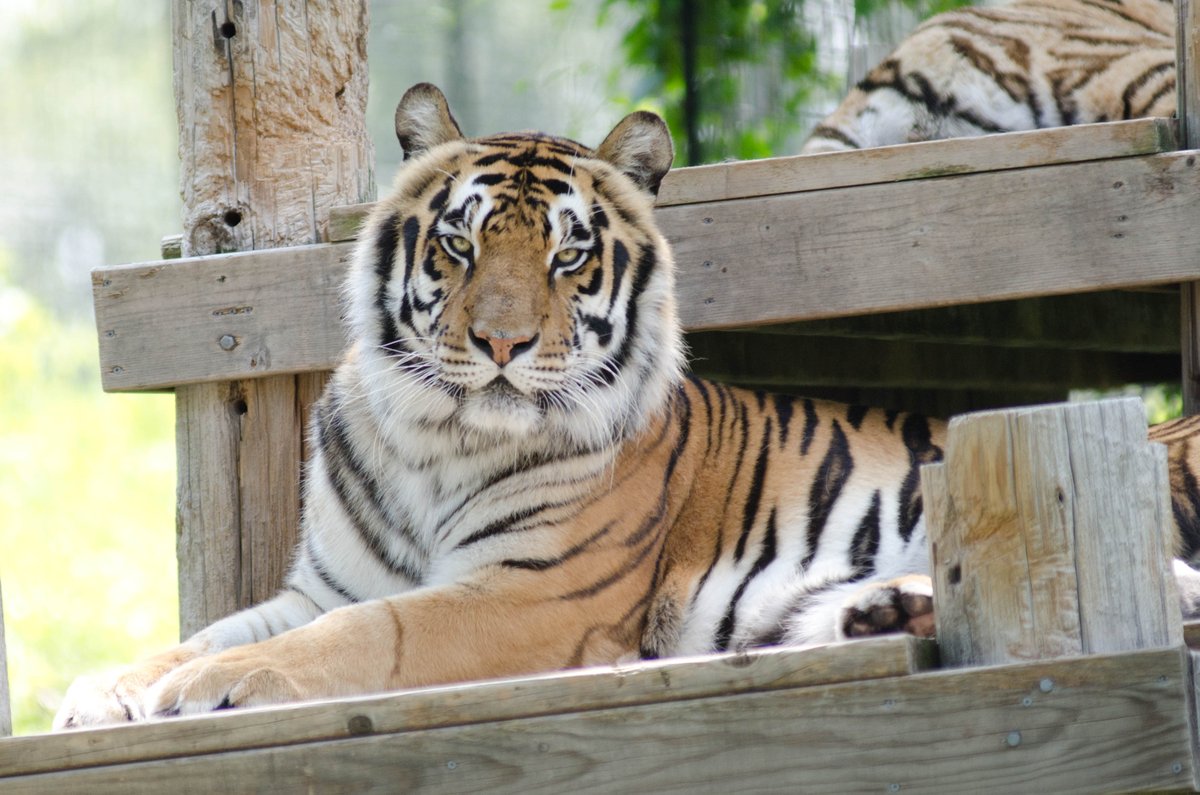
x=461, y=244
x=568, y=256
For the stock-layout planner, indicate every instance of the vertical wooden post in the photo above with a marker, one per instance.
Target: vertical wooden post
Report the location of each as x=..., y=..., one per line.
x=1187, y=98
x=271, y=98
x=1049, y=533
x=5, y=711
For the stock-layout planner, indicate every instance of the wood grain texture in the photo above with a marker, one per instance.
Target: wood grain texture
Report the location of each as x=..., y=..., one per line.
x=1134, y=321
x=550, y=694
x=778, y=362
x=1112, y=723
x=5, y=708
x=271, y=100
x=755, y=178
x=776, y=259
x=220, y=316
x=1187, y=96
x=1048, y=230
x=1049, y=535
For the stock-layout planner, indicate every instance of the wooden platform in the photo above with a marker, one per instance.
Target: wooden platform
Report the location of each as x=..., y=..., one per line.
x=869, y=716
x=771, y=252
x=993, y=259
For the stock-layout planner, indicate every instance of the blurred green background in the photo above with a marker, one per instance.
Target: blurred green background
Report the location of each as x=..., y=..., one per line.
x=89, y=171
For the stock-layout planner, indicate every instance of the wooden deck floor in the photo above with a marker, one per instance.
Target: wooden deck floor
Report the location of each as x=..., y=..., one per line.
x=869, y=716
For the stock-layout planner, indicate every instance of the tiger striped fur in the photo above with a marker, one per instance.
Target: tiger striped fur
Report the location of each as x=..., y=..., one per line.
x=513, y=473
x=1022, y=66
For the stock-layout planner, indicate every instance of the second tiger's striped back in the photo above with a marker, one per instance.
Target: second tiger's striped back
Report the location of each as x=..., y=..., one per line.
x=1026, y=65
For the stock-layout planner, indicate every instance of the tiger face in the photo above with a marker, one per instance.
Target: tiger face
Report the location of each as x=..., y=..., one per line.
x=518, y=285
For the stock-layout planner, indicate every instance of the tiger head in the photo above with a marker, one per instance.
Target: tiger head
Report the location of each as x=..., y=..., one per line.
x=517, y=284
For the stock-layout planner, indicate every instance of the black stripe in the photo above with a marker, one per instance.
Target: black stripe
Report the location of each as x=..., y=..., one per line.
x=810, y=426
x=702, y=388
x=620, y=263
x=784, y=406
x=754, y=495
x=921, y=450
x=866, y=540
x=327, y=578
x=509, y=524
x=343, y=469
x=765, y=557
x=438, y=202
x=620, y=358
x=1137, y=83
x=557, y=186
x=826, y=487
x=622, y=572
x=488, y=179
x=541, y=564
x=600, y=327
x=385, y=257
x=855, y=416
x=834, y=134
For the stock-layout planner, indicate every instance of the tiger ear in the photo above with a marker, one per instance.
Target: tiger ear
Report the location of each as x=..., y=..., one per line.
x=640, y=146
x=423, y=120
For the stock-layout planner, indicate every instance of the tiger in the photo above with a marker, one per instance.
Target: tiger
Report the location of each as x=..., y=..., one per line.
x=513, y=472
x=1026, y=65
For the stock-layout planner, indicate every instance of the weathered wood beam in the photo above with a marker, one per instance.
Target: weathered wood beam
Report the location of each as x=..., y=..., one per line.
x=1119, y=320
x=581, y=690
x=804, y=256
x=930, y=402
x=773, y=360
x=1187, y=81
x=755, y=178
x=271, y=98
x=1026, y=516
x=1117, y=723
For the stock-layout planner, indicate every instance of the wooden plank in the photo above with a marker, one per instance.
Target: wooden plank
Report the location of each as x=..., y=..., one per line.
x=1057, y=229
x=1191, y=634
x=5, y=708
x=220, y=316
x=1025, y=517
x=778, y=361
x=1187, y=97
x=271, y=99
x=1110, y=723
x=641, y=682
x=755, y=178
x=1045, y=231
x=207, y=510
x=1118, y=320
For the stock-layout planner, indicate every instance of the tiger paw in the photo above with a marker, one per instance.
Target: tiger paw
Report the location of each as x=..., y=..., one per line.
x=118, y=696
x=236, y=678
x=100, y=700
x=903, y=604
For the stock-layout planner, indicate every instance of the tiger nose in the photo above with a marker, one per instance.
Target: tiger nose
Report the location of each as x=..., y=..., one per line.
x=501, y=346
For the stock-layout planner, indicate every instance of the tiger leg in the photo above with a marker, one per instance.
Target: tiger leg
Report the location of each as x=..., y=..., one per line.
x=429, y=636
x=119, y=696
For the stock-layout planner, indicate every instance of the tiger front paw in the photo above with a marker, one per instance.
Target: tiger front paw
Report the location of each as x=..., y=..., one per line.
x=117, y=696
x=241, y=677
x=100, y=700
x=902, y=604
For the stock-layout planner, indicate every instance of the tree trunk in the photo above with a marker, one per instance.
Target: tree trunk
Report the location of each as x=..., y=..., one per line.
x=271, y=98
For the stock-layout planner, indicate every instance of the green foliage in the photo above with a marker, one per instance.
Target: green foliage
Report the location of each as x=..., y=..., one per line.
x=87, y=495
x=702, y=63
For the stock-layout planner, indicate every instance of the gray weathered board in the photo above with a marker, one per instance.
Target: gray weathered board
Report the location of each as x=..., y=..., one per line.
x=1025, y=517
x=805, y=255
x=1106, y=723
x=755, y=178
